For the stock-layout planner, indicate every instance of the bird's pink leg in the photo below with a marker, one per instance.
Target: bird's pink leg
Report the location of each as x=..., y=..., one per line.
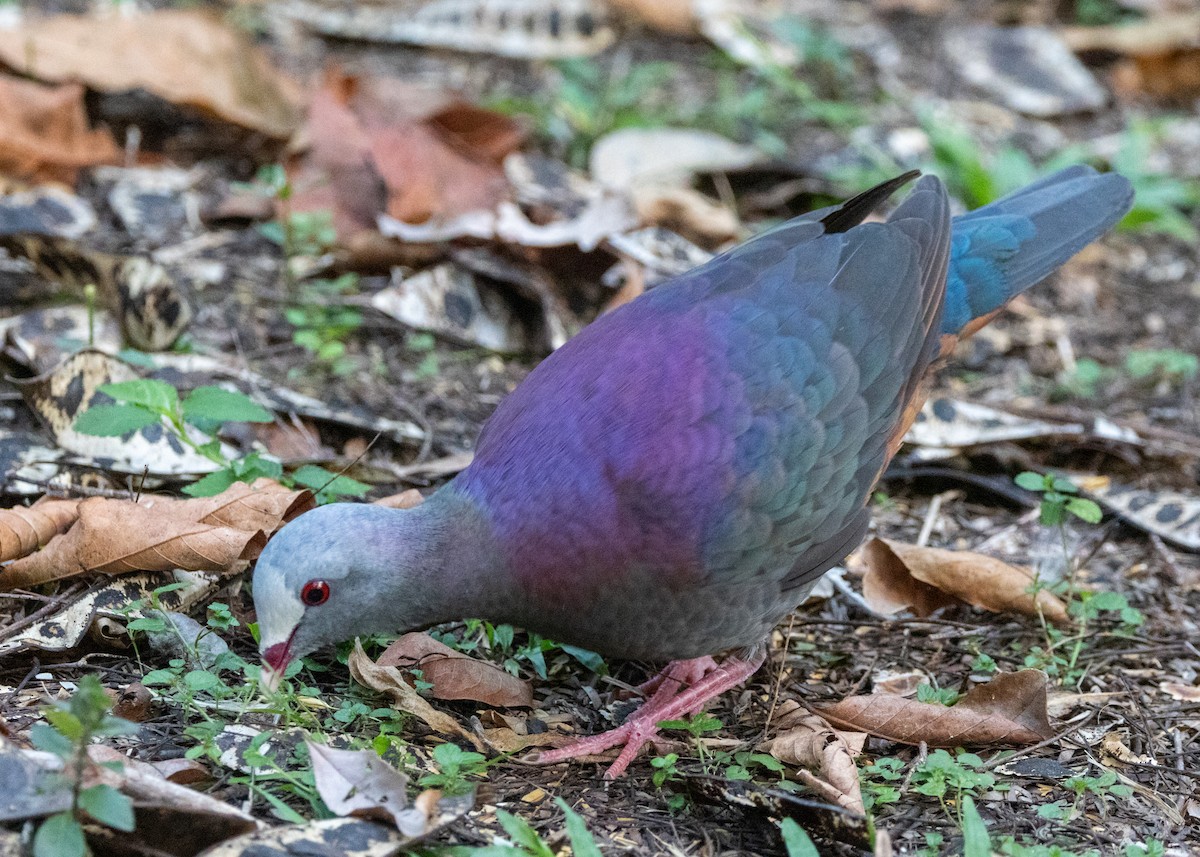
x=669, y=701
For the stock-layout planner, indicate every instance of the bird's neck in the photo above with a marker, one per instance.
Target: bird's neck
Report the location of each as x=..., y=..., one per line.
x=457, y=568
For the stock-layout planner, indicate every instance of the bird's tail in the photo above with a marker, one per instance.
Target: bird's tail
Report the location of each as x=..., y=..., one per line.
x=1002, y=249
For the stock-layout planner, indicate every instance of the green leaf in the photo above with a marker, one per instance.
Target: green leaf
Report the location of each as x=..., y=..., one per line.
x=1030, y=481
x=976, y=842
x=588, y=658
x=796, y=840
x=159, y=677
x=212, y=484
x=583, y=844
x=522, y=833
x=70, y=726
x=327, y=482
x=59, y=836
x=114, y=420
x=50, y=740
x=108, y=806
x=226, y=406
x=201, y=680
x=1085, y=510
x=147, y=392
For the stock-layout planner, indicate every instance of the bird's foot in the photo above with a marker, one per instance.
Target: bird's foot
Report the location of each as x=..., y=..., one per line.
x=682, y=688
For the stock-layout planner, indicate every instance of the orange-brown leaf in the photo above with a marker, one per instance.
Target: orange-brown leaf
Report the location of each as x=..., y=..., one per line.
x=1010, y=710
x=922, y=579
x=44, y=132
x=455, y=675
x=25, y=529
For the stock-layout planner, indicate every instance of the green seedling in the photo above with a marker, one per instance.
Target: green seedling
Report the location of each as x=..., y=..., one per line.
x=943, y=775
x=456, y=768
x=1059, y=499
x=322, y=321
x=525, y=841
x=70, y=728
x=1169, y=366
x=937, y=696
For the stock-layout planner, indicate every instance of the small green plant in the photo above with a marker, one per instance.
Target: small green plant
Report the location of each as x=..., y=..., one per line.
x=936, y=695
x=70, y=728
x=322, y=321
x=1084, y=382
x=879, y=781
x=456, y=767
x=697, y=726
x=1059, y=499
x=1169, y=366
x=666, y=770
x=194, y=419
x=1162, y=201
x=527, y=843
x=943, y=775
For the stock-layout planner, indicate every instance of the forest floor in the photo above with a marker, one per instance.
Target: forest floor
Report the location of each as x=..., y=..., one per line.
x=1096, y=368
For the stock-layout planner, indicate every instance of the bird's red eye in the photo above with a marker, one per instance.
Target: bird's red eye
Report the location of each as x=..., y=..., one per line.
x=315, y=592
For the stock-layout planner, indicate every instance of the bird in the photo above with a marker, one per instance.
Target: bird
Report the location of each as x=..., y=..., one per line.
x=669, y=484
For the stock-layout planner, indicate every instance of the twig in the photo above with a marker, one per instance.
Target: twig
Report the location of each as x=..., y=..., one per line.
x=1003, y=760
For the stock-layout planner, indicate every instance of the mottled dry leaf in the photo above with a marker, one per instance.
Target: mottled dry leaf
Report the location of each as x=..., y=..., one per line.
x=1010, y=710
x=923, y=579
x=455, y=675
x=25, y=529
x=806, y=740
x=388, y=680
x=187, y=57
x=44, y=132
x=161, y=533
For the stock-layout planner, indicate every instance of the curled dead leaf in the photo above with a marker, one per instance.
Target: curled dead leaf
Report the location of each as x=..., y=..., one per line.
x=1010, y=710
x=388, y=680
x=404, y=500
x=806, y=740
x=160, y=533
x=25, y=529
x=923, y=579
x=455, y=675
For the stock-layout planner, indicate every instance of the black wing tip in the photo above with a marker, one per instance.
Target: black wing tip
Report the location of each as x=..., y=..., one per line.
x=853, y=211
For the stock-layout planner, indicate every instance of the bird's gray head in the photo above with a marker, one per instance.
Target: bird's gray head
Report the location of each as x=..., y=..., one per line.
x=319, y=580
x=350, y=569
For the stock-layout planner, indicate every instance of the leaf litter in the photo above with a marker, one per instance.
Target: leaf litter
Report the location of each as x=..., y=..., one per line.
x=372, y=173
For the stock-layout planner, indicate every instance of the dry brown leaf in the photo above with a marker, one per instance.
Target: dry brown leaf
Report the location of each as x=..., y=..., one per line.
x=455, y=675
x=922, y=579
x=25, y=529
x=160, y=533
x=806, y=740
x=404, y=500
x=1010, y=710
x=389, y=681
x=44, y=132
x=376, y=145
x=187, y=57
